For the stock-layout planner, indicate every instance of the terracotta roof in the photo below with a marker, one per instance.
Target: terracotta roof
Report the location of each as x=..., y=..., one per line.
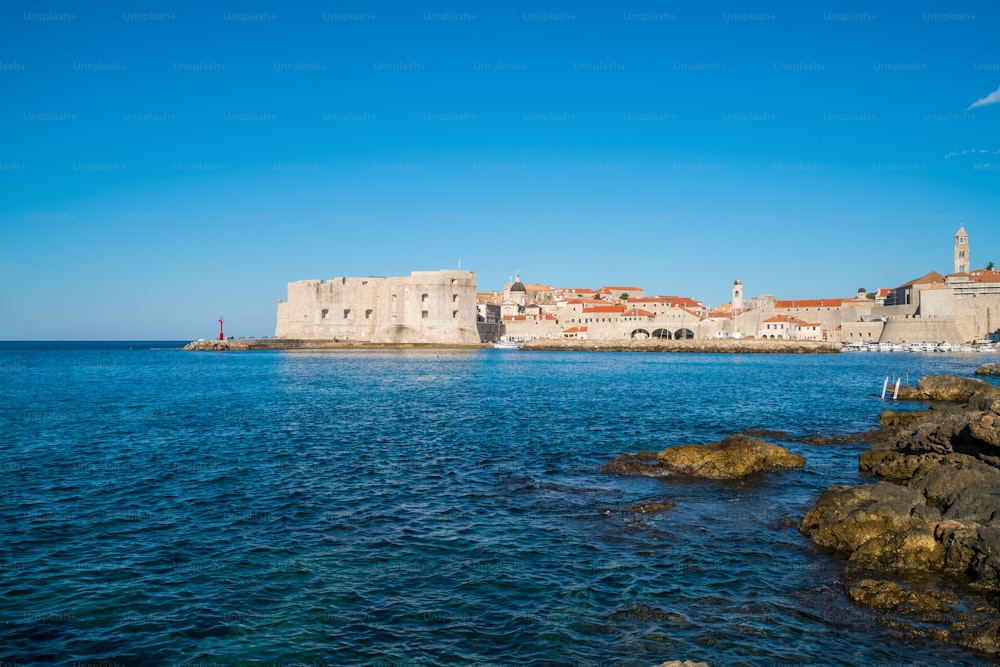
x=812, y=303
x=619, y=288
x=604, y=309
x=637, y=312
x=575, y=290
x=537, y=287
x=672, y=301
x=984, y=276
x=932, y=277
x=523, y=318
x=785, y=318
x=575, y=330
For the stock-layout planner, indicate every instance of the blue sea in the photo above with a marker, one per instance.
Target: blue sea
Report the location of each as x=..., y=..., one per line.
x=162, y=507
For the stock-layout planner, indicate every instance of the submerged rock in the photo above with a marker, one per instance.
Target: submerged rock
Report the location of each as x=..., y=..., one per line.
x=654, y=507
x=734, y=456
x=988, y=369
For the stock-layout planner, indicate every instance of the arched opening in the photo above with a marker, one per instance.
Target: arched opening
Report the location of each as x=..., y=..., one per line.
x=683, y=334
x=662, y=333
x=640, y=334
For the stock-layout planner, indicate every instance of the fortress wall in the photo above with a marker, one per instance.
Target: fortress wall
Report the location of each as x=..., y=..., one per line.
x=915, y=330
x=424, y=307
x=975, y=315
x=531, y=329
x=868, y=332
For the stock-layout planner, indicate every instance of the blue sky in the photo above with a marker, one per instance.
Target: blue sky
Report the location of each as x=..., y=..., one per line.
x=164, y=163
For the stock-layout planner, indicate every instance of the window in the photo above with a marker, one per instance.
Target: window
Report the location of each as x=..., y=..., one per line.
x=325, y=313
x=423, y=299
x=454, y=314
x=347, y=313
x=423, y=315
x=368, y=314
x=454, y=298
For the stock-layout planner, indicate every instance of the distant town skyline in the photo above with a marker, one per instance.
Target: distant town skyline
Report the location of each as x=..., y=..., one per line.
x=163, y=166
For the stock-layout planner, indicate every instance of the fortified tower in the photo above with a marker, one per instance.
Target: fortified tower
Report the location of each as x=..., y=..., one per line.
x=962, y=251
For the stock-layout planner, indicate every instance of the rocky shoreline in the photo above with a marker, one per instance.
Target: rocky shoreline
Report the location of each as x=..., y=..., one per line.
x=922, y=544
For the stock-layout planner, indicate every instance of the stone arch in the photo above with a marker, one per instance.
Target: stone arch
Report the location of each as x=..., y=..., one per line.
x=683, y=333
x=639, y=334
x=662, y=333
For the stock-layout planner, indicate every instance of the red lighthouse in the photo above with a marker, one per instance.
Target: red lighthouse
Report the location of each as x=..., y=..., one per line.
x=221, y=335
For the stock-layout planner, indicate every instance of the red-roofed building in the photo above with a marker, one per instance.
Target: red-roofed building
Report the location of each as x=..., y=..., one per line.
x=637, y=314
x=788, y=327
x=615, y=292
x=603, y=309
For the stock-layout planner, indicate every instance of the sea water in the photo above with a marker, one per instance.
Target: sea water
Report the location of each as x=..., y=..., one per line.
x=162, y=507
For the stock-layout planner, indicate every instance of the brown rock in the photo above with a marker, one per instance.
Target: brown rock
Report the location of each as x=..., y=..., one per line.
x=941, y=484
x=895, y=465
x=985, y=426
x=846, y=517
x=889, y=597
x=954, y=389
x=641, y=463
x=914, y=549
x=734, y=456
x=652, y=507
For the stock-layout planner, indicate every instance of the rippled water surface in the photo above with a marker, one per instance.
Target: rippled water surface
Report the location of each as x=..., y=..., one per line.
x=175, y=508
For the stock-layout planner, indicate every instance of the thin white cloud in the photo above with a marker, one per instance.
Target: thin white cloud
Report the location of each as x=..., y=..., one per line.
x=967, y=151
x=992, y=98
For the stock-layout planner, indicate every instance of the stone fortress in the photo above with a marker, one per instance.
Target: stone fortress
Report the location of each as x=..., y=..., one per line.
x=443, y=307
x=429, y=307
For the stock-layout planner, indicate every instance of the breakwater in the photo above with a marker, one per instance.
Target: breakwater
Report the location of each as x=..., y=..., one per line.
x=740, y=346
x=304, y=344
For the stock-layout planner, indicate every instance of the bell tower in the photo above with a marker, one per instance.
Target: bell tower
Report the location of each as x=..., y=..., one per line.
x=737, y=296
x=962, y=251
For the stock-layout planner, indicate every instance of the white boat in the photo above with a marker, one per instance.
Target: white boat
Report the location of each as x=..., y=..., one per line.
x=507, y=345
x=988, y=347
x=918, y=347
x=852, y=346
